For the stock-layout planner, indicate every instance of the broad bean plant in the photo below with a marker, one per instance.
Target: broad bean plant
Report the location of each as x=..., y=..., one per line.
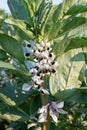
x=43, y=65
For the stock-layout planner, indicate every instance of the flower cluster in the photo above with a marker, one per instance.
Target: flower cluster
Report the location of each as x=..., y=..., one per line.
x=44, y=64
x=54, y=110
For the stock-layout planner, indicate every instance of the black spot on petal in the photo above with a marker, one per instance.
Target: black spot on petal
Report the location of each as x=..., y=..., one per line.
x=53, y=71
x=53, y=62
x=27, y=54
x=50, y=55
x=29, y=45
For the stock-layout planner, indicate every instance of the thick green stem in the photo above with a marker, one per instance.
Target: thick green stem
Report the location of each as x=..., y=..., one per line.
x=46, y=125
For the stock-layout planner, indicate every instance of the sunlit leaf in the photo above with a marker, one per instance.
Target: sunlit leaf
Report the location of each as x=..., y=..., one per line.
x=19, y=24
x=15, y=114
x=7, y=100
x=67, y=75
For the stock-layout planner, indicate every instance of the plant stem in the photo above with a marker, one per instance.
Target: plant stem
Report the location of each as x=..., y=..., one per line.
x=46, y=125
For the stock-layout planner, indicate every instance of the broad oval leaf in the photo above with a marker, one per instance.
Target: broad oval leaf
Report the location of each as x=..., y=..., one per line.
x=16, y=7
x=12, y=46
x=67, y=75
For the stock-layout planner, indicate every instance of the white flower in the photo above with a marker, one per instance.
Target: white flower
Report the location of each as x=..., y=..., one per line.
x=27, y=87
x=43, y=113
x=42, y=44
x=48, y=44
x=59, y=108
x=37, y=79
x=45, y=54
x=39, y=82
x=35, y=60
x=32, y=44
x=44, y=91
x=54, y=110
x=55, y=65
x=33, y=70
x=46, y=66
x=28, y=50
x=51, y=56
x=37, y=54
x=44, y=61
x=39, y=47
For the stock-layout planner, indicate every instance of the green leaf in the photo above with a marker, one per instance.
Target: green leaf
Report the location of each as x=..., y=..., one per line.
x=79, y=98
x=76, y=9
x=58, y=14
x=35, y=104
x=18, y=71
x=16, y=6
x=67, y=75
x=14, y=114
x=54, y=30
x=12, y=47
x=70, y=24
x=61, y=28
x=7, y=100
x=77, y=42
x=61, y=9
x=6, y=65
x=83, y=89
x=30, y=7
x=45, y=19
x=62, y=46
x=65, y=94
x=3, y=55
x=21, y=25
x=68, y=4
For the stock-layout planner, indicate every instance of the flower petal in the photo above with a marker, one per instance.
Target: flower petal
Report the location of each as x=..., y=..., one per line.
x=53, y=114
x=62, y=111
x=60, y=105
x=44, y=108
x=44, y=91
x=27, y=87
x=42, y=117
